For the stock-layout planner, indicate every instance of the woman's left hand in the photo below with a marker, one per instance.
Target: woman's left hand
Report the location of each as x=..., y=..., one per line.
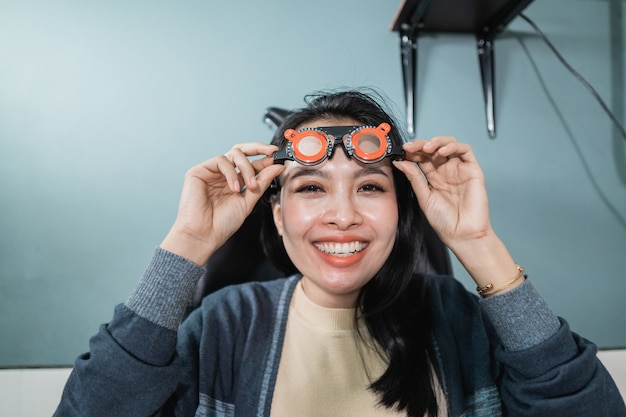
x=450, y=188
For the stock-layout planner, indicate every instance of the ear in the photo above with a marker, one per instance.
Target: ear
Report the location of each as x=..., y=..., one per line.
x=277, y=213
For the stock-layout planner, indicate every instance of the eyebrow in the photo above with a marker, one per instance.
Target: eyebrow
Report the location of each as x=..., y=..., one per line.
x=312, y=171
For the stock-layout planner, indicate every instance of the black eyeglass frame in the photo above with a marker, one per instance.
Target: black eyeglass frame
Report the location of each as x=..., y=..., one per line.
x=336, y=135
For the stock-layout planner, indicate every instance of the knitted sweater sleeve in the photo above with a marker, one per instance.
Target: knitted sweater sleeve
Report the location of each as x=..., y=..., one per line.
x=547, y=370
x=132, y=368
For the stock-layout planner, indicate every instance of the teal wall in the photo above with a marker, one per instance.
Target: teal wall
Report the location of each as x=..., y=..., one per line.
x=105, y=104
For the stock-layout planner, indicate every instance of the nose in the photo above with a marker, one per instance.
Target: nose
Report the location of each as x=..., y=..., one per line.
x=342, y=212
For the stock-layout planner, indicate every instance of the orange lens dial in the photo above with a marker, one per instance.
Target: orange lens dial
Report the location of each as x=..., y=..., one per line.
x=370, y=143
x=308, y=146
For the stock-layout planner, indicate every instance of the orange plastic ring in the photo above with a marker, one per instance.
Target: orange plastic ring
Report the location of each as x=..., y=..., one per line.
x=381, y=133
x=295, y=137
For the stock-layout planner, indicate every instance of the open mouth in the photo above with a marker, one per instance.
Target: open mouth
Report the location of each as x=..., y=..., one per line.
x=340, y=249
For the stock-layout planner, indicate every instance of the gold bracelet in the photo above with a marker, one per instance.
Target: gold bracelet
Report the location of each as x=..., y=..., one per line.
x=489, y=290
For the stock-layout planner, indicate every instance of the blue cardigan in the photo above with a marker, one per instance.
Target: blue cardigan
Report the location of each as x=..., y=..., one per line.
x=507, y=355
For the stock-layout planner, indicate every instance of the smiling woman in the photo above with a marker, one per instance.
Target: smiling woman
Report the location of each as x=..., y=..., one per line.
x=355, y=328
x=329, y=220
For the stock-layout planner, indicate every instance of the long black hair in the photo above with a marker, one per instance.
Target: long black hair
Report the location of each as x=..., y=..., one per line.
x=393, y=303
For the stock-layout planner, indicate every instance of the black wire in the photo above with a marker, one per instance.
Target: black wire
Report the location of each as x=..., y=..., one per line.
x=572, y=138
x=577, y=75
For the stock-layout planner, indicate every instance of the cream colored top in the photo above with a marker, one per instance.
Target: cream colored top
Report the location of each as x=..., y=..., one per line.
x=325, y=370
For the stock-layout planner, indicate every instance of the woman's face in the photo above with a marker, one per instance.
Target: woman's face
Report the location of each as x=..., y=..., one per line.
x=338, y=222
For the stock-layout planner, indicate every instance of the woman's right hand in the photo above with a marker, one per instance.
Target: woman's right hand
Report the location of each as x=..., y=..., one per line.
x=213, y=206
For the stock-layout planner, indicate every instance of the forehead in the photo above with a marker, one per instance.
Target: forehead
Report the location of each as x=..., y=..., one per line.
x=330, y=121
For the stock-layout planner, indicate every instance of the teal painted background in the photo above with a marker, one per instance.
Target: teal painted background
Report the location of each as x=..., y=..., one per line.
x=105, y=104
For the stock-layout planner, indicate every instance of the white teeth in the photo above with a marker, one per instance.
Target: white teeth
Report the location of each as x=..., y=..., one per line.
x=341, y=249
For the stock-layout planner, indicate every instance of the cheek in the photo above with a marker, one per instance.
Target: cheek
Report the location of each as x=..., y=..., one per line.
x=297, y=216
x=385, y=219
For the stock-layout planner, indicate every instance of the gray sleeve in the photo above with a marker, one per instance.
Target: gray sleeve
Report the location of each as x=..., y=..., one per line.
x=132, y=367
x=165, y=291
x=521, y=317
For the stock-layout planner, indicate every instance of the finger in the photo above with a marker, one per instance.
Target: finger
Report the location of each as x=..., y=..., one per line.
x=462, y=151
x=214, y=169
x=227, y=169
x=259, y=166
x=449, y=147
x=427, y=150
x=262, y=163
x=264, y=179
x=413, y=149
x=416, y=177
x=428, y=146
x=415, y=144
x=255, y=148
x=240, y=156
x=434, y=147
x=247, y=173
x=437, y=142
x=267, y=175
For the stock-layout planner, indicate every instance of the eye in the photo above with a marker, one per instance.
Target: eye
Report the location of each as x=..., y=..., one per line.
x=369, y=188
x=309, y=188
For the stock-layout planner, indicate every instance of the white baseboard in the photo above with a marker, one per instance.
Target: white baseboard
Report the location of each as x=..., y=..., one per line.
x=31, y=392
x=615, y=362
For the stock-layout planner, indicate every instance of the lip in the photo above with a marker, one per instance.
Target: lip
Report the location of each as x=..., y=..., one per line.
x=340, y=239
x=341, y=249
x=342, y=259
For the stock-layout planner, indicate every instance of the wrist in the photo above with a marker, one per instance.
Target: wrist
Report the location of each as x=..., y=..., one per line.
x=491, y=289
x=476, y=248
x=489, y=263
x=187, y=246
